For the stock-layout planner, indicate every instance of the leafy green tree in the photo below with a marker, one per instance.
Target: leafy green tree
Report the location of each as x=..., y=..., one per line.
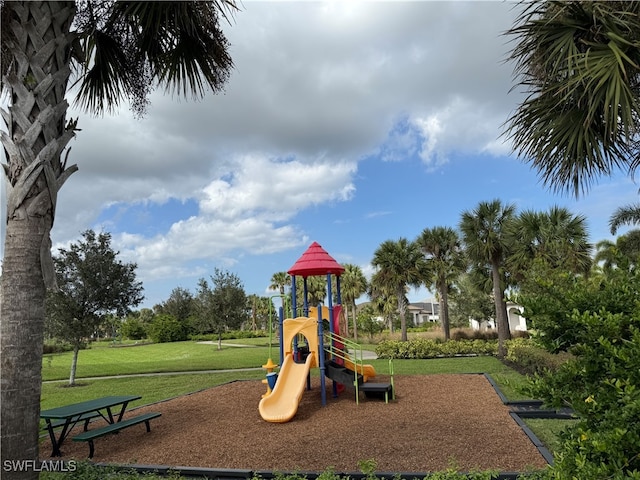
x=181, y=306
x=224, y=306
x=484, y=231
x=118, y=51
x=133, y=329
x=167, y=328
x=469, y=301
x=445, y=261
x=399, y=264
x=368, y=321
x=353, y=284
x=92, y=283
x=579, y=63
x=597, y=319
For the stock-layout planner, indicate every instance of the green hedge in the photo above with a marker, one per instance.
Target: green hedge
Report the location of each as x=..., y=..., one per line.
x=428, y=348
x=230, y=335
x=523, y=353
x=532, y=359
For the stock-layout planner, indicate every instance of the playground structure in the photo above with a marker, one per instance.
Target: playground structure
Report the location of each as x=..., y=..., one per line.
x=305, y=343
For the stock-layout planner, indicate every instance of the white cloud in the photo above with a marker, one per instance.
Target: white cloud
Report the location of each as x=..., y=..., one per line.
x=277, y=189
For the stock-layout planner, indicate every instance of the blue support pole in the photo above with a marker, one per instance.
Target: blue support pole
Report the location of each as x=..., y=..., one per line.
x=323, y=392
x=305, y=296
x=331, y=329
x=293, y=296
x=330, y=302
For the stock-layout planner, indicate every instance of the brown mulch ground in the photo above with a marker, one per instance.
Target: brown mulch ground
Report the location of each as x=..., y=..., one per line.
x=435, y=422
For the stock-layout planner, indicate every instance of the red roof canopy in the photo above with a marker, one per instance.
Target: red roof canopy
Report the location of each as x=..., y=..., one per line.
x=315, y=261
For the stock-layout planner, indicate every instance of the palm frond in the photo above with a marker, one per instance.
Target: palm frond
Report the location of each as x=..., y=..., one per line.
x=579, y=63
x=132, y=46
x=626, y=215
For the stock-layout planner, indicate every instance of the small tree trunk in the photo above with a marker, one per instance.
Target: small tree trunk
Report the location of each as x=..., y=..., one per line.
x=74, y=365
x=219, y=341
x=355, y=322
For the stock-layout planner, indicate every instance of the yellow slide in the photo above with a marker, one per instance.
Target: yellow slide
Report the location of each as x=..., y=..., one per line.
x=367, y=371
x=282, y=404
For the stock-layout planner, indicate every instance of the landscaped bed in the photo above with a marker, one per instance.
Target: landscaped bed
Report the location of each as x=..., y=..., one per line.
x=435, y=422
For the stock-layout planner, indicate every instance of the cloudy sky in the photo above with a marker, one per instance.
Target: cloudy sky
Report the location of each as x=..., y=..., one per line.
x=345, y=122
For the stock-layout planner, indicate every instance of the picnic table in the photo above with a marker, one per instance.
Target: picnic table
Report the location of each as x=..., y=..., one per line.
x=69, y=415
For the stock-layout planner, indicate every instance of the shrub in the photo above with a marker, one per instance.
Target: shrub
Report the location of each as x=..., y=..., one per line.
x=528, y=357
x=165, y=328
x=133, y=329
x=601, y=385
x=433, y=348
x=230, y=335
x=56, y=346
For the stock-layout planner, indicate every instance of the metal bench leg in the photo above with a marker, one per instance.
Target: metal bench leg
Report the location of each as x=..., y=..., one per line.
x=148, y=426
x=91, y=450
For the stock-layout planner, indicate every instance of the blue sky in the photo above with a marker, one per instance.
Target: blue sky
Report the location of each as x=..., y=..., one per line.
x=345, y=123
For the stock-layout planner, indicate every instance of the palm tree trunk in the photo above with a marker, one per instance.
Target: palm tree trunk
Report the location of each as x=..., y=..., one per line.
x=403, y=320
x=502, y=321
x=444, y=311
x=22, y=294
x=34, y=141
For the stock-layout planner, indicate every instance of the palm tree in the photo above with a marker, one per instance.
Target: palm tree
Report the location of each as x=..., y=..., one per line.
x=353, y=285
x=579, y=63
x=316, y=290
x=623, y=254
x=279, y=281
x=384, y=301
x=400, y=264
x=445, y=261
x=556, y=237
x=627, y=215
x=118, y=50
x=485, y=238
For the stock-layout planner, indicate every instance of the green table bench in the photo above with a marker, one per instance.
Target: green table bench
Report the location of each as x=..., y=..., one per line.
x=86, y=418
x=111, y=408
x=91, y=435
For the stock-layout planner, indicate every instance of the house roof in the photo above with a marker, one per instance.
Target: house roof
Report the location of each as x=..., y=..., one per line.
x=315, y=261
x=424, y=307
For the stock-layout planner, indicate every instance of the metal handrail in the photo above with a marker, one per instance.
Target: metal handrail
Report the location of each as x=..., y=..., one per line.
x=356, y=360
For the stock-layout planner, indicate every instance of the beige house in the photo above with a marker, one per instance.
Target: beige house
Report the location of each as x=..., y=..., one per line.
x=424, y=312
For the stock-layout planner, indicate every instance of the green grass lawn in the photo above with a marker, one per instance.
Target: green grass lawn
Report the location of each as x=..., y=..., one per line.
x=152, y=388
x=105, y=360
